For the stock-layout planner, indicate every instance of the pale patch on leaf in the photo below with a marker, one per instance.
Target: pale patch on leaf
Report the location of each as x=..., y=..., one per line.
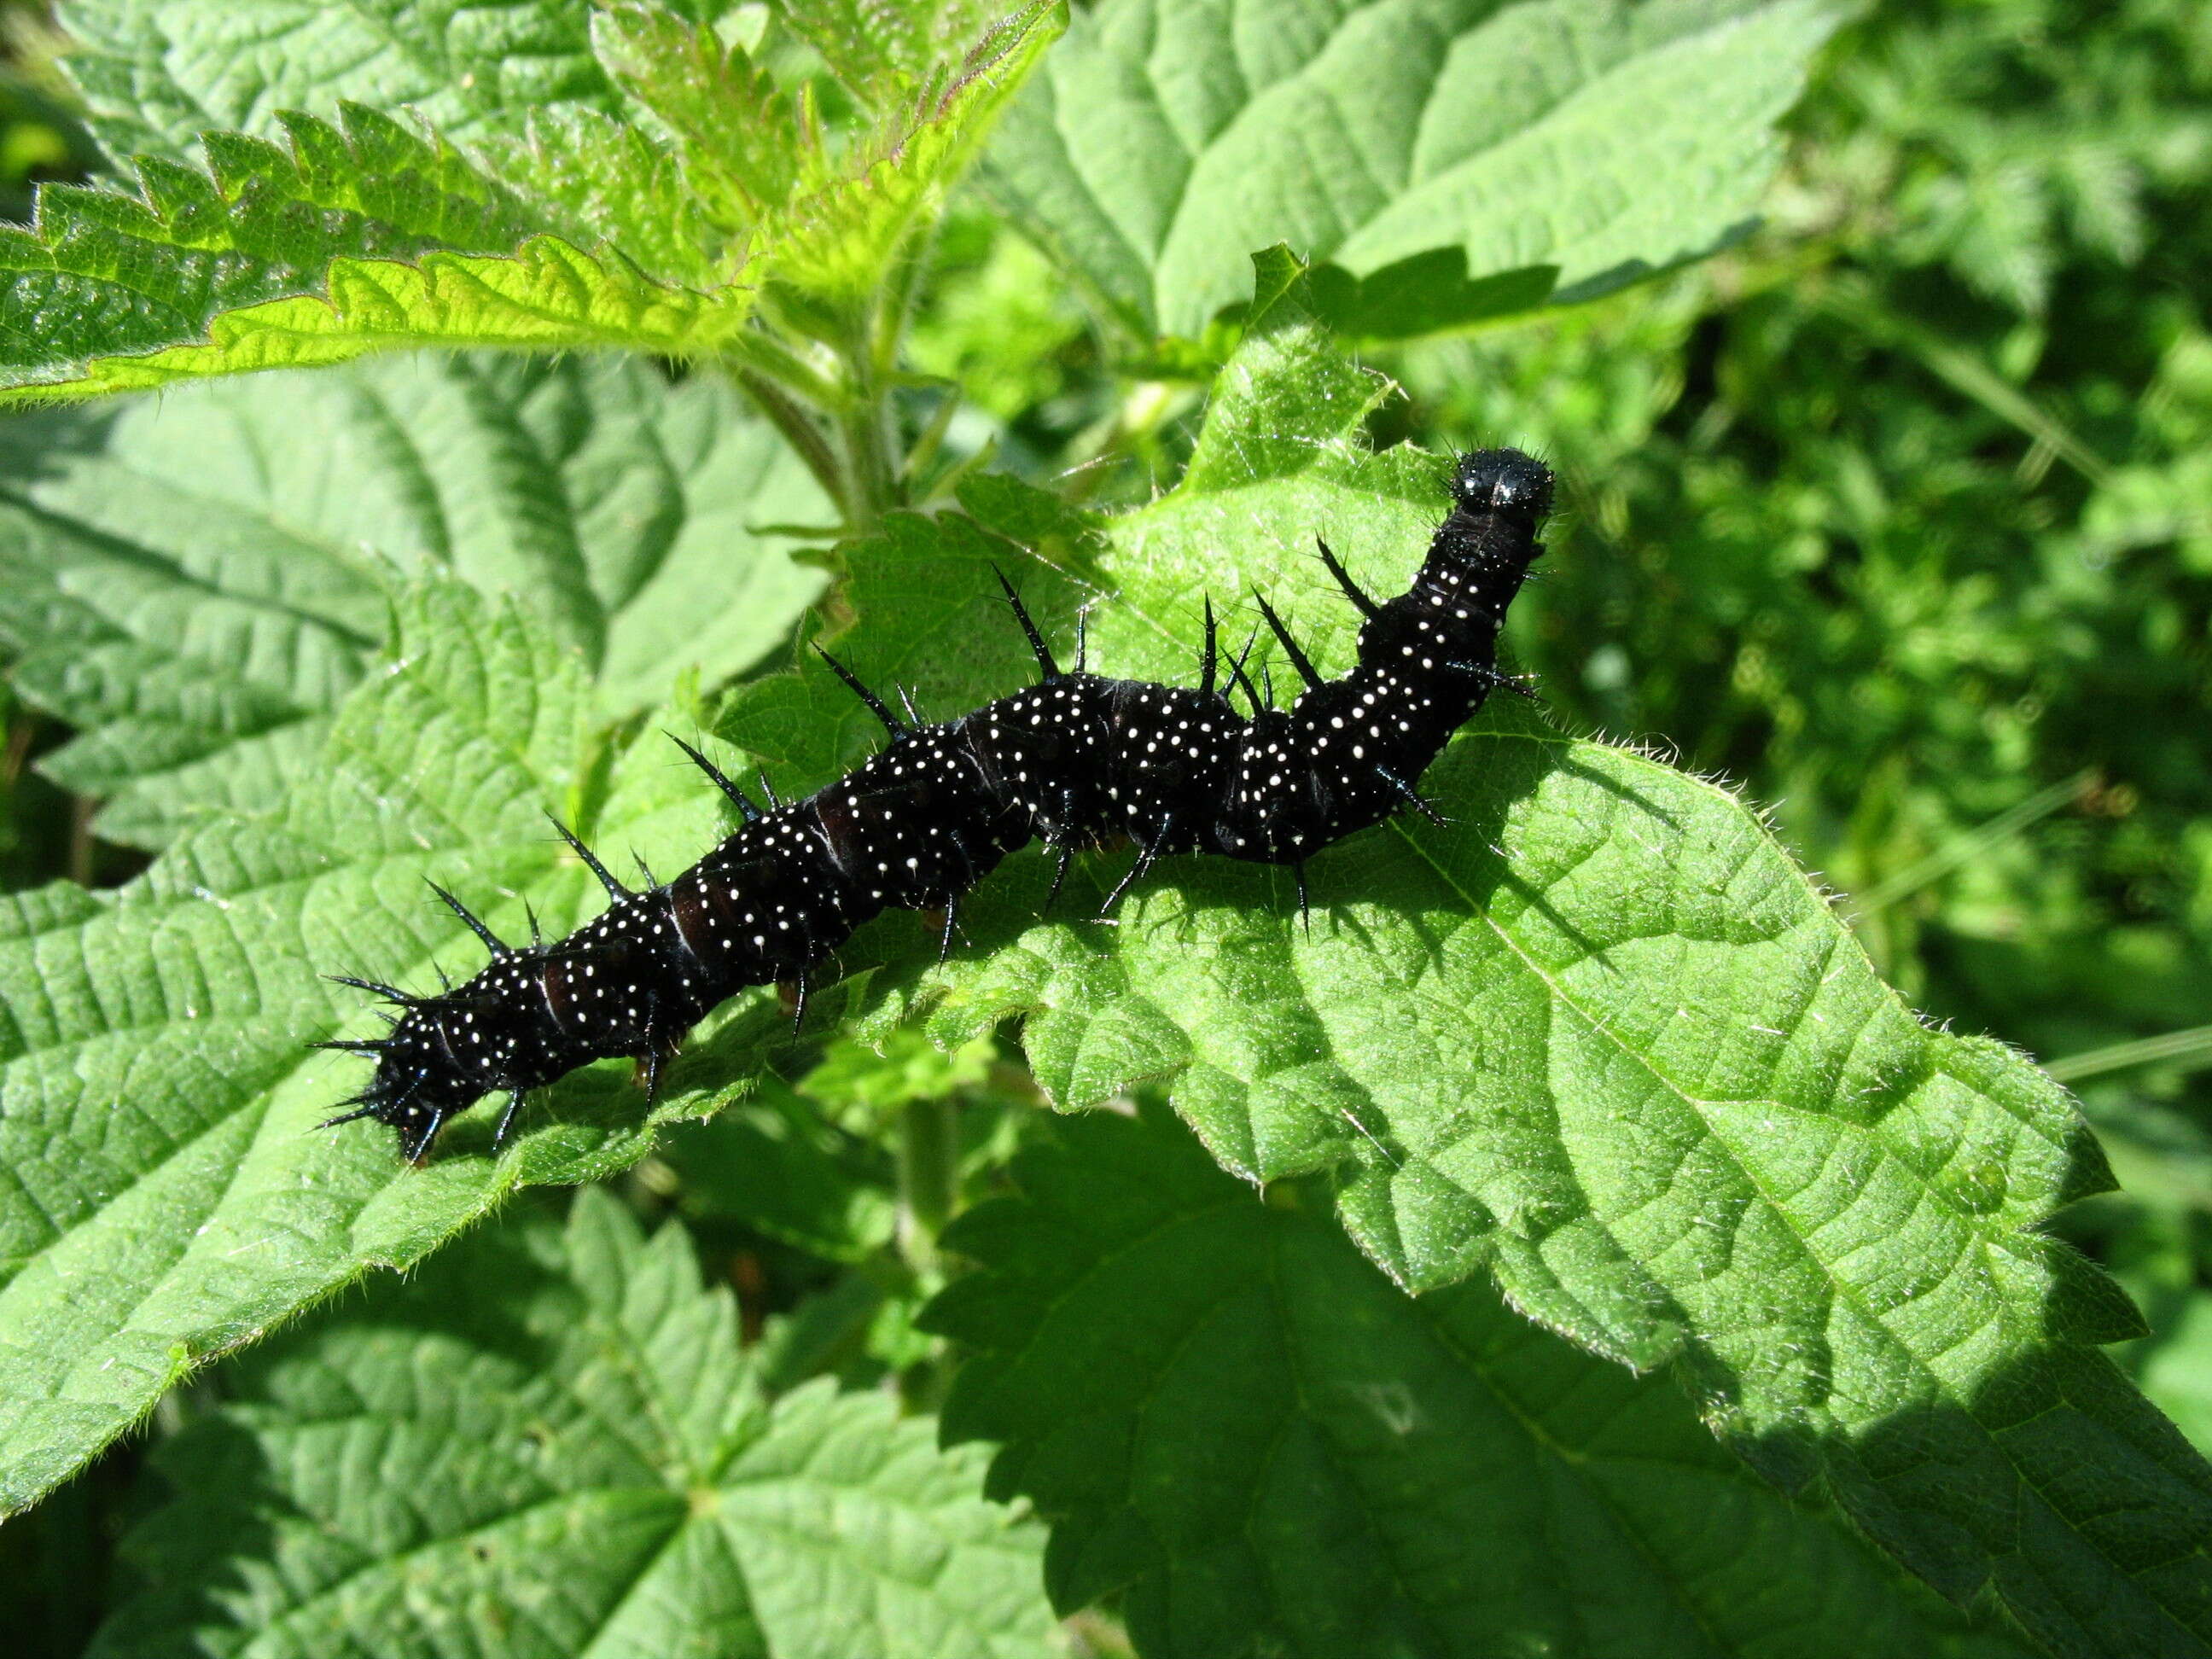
x=195, y=583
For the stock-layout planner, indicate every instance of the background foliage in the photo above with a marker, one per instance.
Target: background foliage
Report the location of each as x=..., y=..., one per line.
x=1897, y=514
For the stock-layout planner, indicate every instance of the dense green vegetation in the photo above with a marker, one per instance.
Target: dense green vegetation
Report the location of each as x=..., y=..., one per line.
x=1734, y=1311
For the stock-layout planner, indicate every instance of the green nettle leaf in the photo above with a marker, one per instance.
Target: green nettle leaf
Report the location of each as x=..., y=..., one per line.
x=1455, y=154
x=619, y=215
x=2175, y=1367
x=195, y=583
x=350, y=238
x=1596, y=1036
x=880, y=52
x=158, y=73
x=735, y=127
x=827, y=216
x=519, y=82
x=549, y=1443
x=170, y=1196
x=838, y=237
x=1264, y=1446
x=621, y=185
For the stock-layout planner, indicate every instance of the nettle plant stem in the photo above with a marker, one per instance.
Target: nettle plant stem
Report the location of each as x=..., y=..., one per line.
x=823, y=378
x=799, y=424
x=928, y=1177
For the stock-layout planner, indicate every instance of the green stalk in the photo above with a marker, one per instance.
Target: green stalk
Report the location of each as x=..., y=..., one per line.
x=871, y=465
x=928, y=1177
x=894, y=304
x=1853, y=302
x=874, y=468
x=801, y=430
x=841, y=423
x=1965, y=850
x=2189, y=1049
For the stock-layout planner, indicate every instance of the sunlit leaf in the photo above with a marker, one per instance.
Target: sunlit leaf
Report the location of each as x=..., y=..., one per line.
x=1166, y=139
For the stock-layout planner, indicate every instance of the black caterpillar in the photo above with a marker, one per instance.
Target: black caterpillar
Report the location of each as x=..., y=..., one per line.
x=1075, y=761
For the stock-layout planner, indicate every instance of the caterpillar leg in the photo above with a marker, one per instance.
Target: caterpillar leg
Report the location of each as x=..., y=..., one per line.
x=1411, y=796
x=1143, y=863
x=1059, y=875
x=659, y=1049
x=417, y=1126
x=1147, y=856
x=416, y=1138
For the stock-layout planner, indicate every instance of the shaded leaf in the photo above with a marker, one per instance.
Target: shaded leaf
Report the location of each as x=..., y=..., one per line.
x=1264, y=1446
x=550, y=1440
x=774, y=1165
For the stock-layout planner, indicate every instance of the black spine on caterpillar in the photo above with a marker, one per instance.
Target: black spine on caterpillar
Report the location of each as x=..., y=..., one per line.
x=1075, y=761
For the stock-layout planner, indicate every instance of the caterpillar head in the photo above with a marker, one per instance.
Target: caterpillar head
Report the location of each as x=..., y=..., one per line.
x=1503, y=480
